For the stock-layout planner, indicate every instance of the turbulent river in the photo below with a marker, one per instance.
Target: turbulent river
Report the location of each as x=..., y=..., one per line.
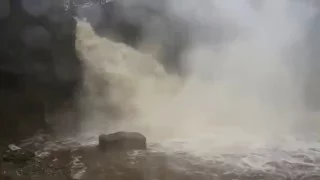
x=238, y=114
x=196, y=129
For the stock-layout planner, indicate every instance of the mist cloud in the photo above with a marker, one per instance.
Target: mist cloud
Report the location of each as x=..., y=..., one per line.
x=240, y=70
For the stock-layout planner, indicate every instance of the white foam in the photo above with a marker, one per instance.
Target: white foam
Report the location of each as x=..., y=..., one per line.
x=242, y=100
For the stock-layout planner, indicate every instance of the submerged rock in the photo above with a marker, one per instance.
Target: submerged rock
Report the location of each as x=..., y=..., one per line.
x=122, y=141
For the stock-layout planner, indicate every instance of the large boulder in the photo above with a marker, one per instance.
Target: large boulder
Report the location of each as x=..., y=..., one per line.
x=122, y=141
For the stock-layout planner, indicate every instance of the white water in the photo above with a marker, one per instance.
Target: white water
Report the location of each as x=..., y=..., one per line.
x=241, y=98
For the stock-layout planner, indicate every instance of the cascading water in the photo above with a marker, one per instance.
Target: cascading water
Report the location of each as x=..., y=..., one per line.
x=240, y=106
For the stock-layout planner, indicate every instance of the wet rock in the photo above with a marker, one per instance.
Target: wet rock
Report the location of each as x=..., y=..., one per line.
x=13, y=147
x=36, y=37
x=39, y=66
x=17, y=155
x=122, y=141
x=36, y=8
x=4, y=9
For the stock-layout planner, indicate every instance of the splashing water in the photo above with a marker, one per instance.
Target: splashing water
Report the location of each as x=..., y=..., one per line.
x=240, y=98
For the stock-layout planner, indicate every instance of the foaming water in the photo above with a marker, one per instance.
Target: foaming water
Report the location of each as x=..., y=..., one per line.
x=177, y=115
x=240, y=104
x=121, y=79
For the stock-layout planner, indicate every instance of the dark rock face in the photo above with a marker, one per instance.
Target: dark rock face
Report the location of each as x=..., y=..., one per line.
x=122, y=141
x=39, y=67
x=4, y=9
